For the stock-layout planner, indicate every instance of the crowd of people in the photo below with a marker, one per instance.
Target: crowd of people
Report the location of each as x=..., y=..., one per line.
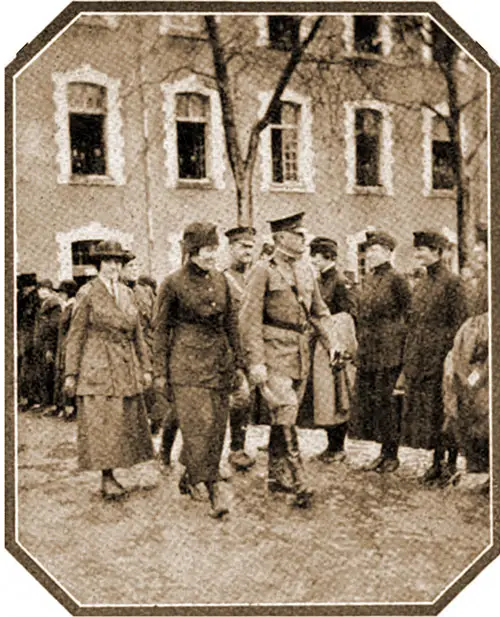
x=285, y=339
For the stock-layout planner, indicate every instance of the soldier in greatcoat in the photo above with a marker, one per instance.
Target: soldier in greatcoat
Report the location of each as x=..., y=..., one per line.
x=339, y=298
x=383, y=308
x=438, y=309
x=282, y=301
x=241, y=247
x=28, y=305
x=197, y=360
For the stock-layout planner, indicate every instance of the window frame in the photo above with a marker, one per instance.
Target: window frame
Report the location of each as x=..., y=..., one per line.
x=386, y=159
x=385, y=34
x=305, y=151
x=215, y=149
x=113, y=139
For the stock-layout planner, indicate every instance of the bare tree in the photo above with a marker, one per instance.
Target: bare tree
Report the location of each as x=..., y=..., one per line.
x=242, y=164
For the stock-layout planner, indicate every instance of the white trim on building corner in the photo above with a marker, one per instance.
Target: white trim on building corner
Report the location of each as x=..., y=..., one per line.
x=216, y=145
x=386, y=155
x=306, y=169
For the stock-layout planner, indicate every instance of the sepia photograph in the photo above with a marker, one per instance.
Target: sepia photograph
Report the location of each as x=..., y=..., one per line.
x=250, y=308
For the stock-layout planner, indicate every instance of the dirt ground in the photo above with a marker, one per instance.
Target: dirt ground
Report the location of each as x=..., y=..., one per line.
x=369, y=538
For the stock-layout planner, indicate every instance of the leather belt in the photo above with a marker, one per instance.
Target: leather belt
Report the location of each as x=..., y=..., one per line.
x=276, y=323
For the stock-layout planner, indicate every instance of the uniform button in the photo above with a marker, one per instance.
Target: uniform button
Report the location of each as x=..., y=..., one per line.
x=214, y=304
x=210, y=289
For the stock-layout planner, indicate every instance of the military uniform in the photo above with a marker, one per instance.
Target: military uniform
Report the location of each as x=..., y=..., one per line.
x=383, y=309
x=281, y=302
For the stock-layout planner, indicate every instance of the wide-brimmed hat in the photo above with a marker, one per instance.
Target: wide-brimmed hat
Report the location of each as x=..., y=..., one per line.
x=110, y=249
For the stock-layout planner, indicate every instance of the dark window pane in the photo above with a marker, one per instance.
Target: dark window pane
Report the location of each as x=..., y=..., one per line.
x=87, y=144
x=442, y=165
x=283, y=32
x=80, y=252
x=191, y=150
x=368, y=127
x=366, y=35
x=277, y=155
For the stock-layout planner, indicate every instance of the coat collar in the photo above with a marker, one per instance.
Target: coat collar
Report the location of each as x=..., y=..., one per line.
x=435, y=269
x=382, y=268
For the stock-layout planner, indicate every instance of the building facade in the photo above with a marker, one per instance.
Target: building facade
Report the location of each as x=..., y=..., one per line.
x=119, y=134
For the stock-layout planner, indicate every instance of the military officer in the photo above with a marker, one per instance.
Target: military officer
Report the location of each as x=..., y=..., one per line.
x=339, y=298
x=383, y=309
x=241, y=247
x=438, y=309
x=282, y=301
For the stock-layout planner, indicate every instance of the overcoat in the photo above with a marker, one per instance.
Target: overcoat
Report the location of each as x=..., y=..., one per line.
x=383, y=310
x=336, y=293
x=64, y=325
x=105, y=348
x=46, y=332
x=438, y=309
x=106, y=353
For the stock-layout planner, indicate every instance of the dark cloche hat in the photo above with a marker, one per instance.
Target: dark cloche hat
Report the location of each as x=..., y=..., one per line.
x=430, y=238
x=69, y=287
x=240, y=233
x=47, y=283
x=111, y=249
x=26, y=280
x=289, y=223
x=321, y=243
x=381, y=238
x=199, y=234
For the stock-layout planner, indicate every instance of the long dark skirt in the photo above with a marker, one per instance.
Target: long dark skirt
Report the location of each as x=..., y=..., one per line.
x=375, y=415
x=423, y=413
x=202, y=414
x=112, y=432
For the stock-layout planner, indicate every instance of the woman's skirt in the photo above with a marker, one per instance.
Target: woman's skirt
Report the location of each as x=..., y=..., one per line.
x=202, y=415
x=112, y=432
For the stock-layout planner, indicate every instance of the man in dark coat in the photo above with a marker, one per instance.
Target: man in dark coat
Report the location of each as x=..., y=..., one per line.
x=383, y=307
x=339, y=298
x=281, y=302
x=241, y=247
x=46, y=334
x=28, y=305
x=438, y=309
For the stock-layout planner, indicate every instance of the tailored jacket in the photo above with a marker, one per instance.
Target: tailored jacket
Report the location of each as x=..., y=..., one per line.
x=271, y=309
x=438, y=309
x=196, y=340
x=105, y=349
x=336, y=293
x=383, y=310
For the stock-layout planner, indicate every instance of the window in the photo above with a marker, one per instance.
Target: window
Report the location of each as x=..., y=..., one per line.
x=286, y=144
x=442, y=156
x=368, y=147
x=87, y=116
x=367, y=35
x=192, y=112
x=284, y=32
x=88, y=127
x=368, y=130
x=194, y=135
x=83, y=266
x=438, y=164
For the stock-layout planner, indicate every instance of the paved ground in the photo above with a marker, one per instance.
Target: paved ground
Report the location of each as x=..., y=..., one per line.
x=369, y=537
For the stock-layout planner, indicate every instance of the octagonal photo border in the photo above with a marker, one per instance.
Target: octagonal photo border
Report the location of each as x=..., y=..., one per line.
x=33, y=49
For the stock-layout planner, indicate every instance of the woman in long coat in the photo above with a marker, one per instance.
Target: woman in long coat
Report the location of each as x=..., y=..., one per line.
x=107, y=366
x=197, y=354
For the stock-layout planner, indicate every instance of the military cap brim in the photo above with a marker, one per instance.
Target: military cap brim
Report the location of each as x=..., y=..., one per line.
x=431, y=239
x=288, y=223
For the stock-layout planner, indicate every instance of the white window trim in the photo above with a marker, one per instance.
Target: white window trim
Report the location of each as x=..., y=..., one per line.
x=385, y=33
x=215, y=153
x=167, y=26
x=92, y=231
x=386, y=156
x=115, y=162
x=351, y=255
x=109, y=20
x=463, y=57
x=306, y=169
x=261, y=22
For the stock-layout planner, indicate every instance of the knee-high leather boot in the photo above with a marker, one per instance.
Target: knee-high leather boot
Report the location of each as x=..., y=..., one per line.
x=278, y=478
